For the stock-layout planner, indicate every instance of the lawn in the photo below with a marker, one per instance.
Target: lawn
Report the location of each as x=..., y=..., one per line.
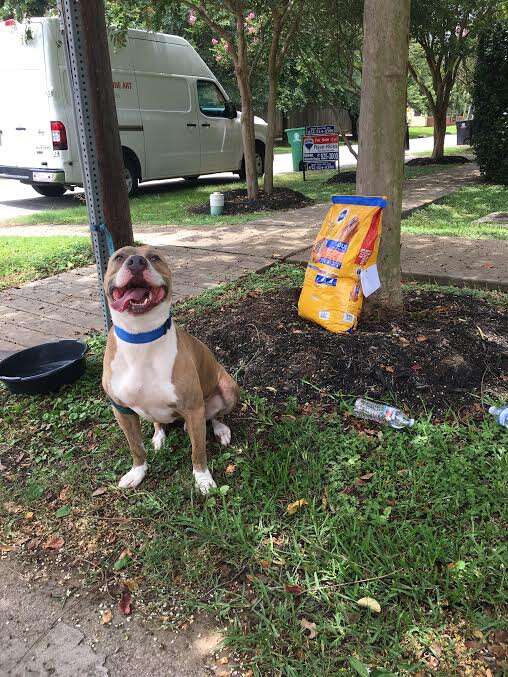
x=169, y=204
x=455, y=214
x=417, y=132
x=414, y=519
x=23, y=259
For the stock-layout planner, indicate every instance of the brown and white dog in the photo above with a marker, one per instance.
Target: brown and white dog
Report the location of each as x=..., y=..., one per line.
x=154, y=369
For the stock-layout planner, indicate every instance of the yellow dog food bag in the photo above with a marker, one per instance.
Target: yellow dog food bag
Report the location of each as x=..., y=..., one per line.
x=347, y=243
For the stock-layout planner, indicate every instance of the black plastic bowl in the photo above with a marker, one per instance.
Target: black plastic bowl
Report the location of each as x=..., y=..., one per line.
x=44, y=368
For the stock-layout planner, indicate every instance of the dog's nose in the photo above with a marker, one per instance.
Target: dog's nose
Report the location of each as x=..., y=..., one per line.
x=136, y=263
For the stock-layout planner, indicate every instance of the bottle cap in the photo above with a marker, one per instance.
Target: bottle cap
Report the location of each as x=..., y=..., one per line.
x=492, y=410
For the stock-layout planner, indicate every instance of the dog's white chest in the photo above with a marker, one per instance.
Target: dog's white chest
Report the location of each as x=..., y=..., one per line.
x=141, y=377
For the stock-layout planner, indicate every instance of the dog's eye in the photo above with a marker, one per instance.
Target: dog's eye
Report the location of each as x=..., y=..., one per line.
x=119, y=257
x=154, y=257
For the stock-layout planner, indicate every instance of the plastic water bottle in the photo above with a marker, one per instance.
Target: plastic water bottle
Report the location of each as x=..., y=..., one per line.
x=500, y=414
x=382, y=413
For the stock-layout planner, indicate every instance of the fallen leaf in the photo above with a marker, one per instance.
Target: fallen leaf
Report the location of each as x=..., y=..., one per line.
x=308, y=626
x=324, y=498
x=53, y=542
x=370, y=603
x=99, y=491
x=29, y=515
x=230, y=469
x=387, y=367
x=106, y=616
x=294, y=507
x=12, y=508
x=478, y=634
x=223, y=673
x=131, y=584
x=64, y=493
x=367, y=476
x=63, y=511
x=294, y=589
x=487, y=264
x=271, y=389
x=125, y=602
x=404, y=341
x=222, y=661
x=123, y=561
x=421, y=338
x=264, y=563
x=7, y=548
x=436, y=649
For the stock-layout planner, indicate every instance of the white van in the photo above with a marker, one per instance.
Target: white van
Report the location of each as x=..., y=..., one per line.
x=175, y=118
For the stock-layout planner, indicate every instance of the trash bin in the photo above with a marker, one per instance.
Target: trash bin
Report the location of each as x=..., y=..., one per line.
x=295, y=138
x=464, y=132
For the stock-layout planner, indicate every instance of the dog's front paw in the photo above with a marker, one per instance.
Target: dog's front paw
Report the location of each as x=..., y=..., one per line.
x=158, y=439
x=204, y=481
x=133, y=477
x=222, y=432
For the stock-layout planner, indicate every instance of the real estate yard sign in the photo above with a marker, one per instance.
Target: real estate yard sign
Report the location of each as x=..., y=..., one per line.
x=320, y=148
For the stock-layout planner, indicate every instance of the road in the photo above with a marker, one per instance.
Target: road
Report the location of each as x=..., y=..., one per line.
x=17, y=199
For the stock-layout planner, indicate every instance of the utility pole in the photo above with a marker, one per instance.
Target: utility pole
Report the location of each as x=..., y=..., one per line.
x=91, y=85
x=115, y=201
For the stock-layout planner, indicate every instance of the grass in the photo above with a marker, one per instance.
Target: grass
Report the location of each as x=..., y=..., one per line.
x=455, y=214
x=29, y=258
x=422, y=533
x=169, y=204
x=417, y=132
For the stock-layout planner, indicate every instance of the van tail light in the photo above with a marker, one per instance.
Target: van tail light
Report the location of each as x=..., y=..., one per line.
x=59, y=135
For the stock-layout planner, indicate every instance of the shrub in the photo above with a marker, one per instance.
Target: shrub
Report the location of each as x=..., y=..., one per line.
x=490, y=102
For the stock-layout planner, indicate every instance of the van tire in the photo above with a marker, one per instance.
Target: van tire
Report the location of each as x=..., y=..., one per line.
x=191, y=180
x=49, y=190
x=131, y=176
x=260, y=163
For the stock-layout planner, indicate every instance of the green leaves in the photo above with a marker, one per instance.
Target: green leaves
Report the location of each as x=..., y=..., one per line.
x=64, y=511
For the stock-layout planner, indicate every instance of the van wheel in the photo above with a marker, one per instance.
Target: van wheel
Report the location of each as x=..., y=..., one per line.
x=260, y=165
x=191, y=180
x=131, y=176
x=51, y=190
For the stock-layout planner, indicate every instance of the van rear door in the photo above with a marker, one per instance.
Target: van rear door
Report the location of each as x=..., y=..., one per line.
x=25, y=133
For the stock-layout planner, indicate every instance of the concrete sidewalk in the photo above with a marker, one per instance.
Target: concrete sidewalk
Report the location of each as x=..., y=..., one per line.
x=67, y=305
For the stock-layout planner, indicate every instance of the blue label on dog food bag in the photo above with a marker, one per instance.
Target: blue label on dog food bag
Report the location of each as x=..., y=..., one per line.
x=323, y=279
x=330, y=262
x=336, y=244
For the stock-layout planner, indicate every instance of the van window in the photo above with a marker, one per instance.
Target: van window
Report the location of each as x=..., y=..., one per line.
x=212, y=101
x=162, y=92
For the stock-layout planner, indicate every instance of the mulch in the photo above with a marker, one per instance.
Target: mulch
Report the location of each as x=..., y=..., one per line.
x=446, y=160
x=236, y=202
x=444, y=352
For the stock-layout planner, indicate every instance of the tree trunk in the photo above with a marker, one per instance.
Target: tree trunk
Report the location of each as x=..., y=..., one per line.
x=107, y=137
x=271, y=107
x=439, y=128
x=248, y=133
x=380, y=168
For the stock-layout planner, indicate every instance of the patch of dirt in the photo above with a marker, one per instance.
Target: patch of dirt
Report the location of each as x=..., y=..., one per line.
x=236, y=202
x=444, y=352
x=342, y=177
x=446, y=160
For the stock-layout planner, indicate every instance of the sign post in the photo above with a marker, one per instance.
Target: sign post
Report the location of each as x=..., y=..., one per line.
x=320, y=148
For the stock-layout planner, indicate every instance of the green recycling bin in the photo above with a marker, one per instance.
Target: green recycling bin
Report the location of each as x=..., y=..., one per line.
x=295, y=139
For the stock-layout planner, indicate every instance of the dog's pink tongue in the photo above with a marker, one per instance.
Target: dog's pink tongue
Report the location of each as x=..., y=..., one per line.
x=135, y=294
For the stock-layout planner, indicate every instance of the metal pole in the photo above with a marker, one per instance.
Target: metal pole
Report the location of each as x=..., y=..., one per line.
x=72, y=33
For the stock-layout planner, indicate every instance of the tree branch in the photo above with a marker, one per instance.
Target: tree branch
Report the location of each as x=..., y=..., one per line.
x=423, y=88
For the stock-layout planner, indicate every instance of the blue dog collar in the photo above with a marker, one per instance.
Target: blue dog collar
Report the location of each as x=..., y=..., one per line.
x=144, y=336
